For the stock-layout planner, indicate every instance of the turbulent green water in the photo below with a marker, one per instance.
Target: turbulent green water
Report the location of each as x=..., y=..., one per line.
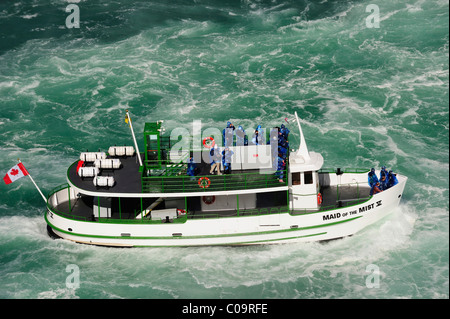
x=366, y=96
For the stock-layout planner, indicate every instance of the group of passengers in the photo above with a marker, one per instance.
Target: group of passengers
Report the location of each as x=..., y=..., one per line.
x=282, y=134
x=387, y=180
x=218, y=157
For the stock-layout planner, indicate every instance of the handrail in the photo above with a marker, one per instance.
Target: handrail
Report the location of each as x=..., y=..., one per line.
x=57, y=189
x=344, y=170
x=181, y=184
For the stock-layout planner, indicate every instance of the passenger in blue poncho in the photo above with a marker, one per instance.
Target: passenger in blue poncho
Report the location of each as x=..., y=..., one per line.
x=274, y=146
x=226, y=160
x=383, y=172
x=258, y=136
x=383, y=183
x=227, y=134
x=191, y=168
x=392, y=179
x=372, y=179
x=282, y=152
x=214, y=157
x=284, y=131
x=280, y=169
x=283, y=142
x=240, y=136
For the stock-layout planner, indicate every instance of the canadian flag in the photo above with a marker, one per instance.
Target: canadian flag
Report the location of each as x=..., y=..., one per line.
x=18, y=171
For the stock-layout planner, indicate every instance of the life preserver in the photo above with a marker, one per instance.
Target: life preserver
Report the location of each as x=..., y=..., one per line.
x=79, y=165
x=208, y=200
x=208, y=142
x=319, y=199
x=204, y=182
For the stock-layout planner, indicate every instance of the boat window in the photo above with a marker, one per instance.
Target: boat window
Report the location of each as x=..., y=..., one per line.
x=308, y=178
x=296, y=179
x=152, y=148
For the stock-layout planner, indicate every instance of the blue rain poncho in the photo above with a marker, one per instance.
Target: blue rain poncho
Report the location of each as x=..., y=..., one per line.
x=191, y=167
x=372, y=178
x=284, y=131
x=282, y=152
x=392, y=179
x=240, y=136
x=226, y=160
x=258, y=137
x=280, y=169
x=214, y=155
x=282, y=141
x=227, y=134
x=383, y=183
x=383, y=172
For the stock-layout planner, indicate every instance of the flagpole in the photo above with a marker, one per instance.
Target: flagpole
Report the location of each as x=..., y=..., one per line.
x=134, y=139
x=37, y=187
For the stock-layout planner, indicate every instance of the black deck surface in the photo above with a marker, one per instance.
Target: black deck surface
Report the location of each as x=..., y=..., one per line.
x=128, y=178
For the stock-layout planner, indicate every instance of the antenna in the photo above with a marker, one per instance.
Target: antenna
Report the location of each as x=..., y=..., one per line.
x=303, y=148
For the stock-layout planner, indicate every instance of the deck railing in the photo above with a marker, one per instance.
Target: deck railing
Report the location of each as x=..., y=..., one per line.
x=207, y=183
x=53, y=209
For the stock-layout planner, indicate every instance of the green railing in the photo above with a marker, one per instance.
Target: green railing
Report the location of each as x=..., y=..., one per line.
x=208, y=183
x=344, y=170
x=59, y=212
x=243, y=212
x=178, y=220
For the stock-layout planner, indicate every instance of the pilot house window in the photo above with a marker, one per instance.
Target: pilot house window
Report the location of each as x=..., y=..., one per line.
x=308, y=177
x=296, y=179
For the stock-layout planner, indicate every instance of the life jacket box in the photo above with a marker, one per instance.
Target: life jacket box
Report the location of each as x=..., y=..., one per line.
x=121, y=151
x=88, y=171
x=108, y=163
x=104, y=181
x=92, y=156
x=163, y=213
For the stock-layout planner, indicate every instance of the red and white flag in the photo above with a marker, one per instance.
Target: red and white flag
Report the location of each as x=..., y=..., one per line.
x=18, y=171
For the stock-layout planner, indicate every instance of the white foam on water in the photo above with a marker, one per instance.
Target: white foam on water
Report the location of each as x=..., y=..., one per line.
x=271, y=62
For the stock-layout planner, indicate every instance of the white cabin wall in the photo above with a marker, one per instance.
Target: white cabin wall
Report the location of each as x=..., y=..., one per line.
x=304, y=196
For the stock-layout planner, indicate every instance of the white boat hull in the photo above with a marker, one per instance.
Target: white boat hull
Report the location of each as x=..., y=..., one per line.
x=244, y=230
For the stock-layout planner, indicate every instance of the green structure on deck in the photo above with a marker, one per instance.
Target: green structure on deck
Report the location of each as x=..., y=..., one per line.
x=166, y=173
x=153, y=152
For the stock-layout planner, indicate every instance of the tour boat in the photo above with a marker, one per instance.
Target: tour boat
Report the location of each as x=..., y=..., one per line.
x=122, y=197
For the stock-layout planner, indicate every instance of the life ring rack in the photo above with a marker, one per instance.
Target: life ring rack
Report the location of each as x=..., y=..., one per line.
x=208, y=142
x=204, y=182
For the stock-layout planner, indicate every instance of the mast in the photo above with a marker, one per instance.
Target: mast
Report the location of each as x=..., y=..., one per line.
x=128, y=120
x=34, y=183
x=303, y=148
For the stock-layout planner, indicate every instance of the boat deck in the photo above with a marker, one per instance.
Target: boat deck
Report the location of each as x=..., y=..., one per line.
x=267, y=203
x=128, y=179
x=345, y=194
